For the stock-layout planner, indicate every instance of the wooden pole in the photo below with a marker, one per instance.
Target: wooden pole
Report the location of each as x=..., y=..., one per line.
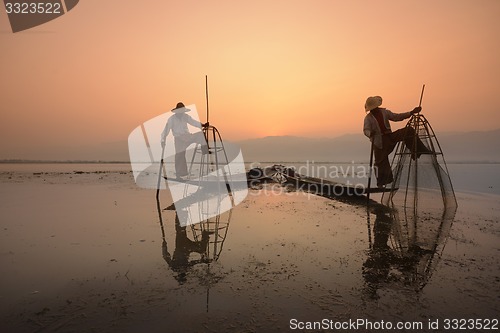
x=206, y=95
x=369, y=176
x=421, y=95
x=159, y=173
x=368, y=224
x=415, y=139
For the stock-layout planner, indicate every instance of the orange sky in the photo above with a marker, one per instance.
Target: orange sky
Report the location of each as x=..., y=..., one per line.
x=288, y=67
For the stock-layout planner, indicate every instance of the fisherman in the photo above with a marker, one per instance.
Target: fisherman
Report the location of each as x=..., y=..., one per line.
x=182, y=137
x=378, y=130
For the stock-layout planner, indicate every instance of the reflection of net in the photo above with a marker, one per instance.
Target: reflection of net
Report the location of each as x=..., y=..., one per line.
x=406, y=248
x=419, y=241
x=421, y=181
x=216, y=227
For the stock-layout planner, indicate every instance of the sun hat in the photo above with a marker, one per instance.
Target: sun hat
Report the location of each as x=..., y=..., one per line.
x=373, y=102
x=180, y=108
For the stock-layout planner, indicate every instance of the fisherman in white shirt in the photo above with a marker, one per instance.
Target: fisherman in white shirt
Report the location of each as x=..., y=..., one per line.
x=183, y=138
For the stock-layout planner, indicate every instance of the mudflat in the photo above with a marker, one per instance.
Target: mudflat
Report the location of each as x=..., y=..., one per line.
x=83, y=250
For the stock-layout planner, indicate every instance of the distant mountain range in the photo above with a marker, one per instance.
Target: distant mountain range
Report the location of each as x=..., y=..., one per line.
x=457, y=147
x=351, y=147
x=471, y=146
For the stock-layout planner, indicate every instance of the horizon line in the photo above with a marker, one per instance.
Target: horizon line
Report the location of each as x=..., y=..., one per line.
x=23, y=161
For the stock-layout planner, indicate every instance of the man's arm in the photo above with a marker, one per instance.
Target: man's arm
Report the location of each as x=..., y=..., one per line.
x=193, y=122
x=165, y=132
x=368, y=127
x=402, y=116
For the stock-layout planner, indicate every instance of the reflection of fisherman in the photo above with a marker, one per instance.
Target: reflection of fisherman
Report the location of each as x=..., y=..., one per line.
x=182, y=137
x=377, y=128
x=377, y=266
x=382, y=259
x=179, y=262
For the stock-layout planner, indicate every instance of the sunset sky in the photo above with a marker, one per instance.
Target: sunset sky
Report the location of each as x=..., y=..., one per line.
x=277, y=67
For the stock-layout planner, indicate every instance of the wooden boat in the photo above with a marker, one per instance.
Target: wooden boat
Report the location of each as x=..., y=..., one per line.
x=324, y=187
x=288, y=177
x=329, y=188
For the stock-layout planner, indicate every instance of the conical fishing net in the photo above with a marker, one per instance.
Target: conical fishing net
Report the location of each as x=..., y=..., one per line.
x=421, y=178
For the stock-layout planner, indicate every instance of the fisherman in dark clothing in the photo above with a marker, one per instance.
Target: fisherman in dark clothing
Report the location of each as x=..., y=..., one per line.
x=180, y=262
x=377, y=128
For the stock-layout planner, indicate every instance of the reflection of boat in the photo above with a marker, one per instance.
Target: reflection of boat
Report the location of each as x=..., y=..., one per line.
x=406, y=248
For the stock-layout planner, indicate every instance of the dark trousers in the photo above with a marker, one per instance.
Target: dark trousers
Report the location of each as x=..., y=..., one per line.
x=389, y=141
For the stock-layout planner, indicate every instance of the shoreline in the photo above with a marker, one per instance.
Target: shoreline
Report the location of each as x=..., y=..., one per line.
x=15, y=161
x=30, y=169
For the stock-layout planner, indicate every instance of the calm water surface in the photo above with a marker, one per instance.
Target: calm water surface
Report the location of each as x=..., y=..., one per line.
x=82, y=248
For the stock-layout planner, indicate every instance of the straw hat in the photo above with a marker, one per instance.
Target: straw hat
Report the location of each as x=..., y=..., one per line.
x=179, y=108
x=373, y=102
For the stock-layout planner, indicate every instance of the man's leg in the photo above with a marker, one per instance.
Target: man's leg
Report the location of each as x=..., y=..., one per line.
x=180, y=158
x=410, y=138
x=383, y=167
x=199, y=138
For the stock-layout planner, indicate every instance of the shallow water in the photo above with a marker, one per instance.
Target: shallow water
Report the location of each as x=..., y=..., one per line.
x=83, y=251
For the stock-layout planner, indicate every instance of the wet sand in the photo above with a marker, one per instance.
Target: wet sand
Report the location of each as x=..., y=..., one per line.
x=82, y=251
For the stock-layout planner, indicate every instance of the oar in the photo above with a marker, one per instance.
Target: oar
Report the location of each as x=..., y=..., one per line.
x=368, y=199
x=159, y=173
x=206, y=95
x=369, y=176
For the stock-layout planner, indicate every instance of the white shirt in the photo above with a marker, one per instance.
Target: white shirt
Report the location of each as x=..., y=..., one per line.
x=372, y=130
x=178, y=124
